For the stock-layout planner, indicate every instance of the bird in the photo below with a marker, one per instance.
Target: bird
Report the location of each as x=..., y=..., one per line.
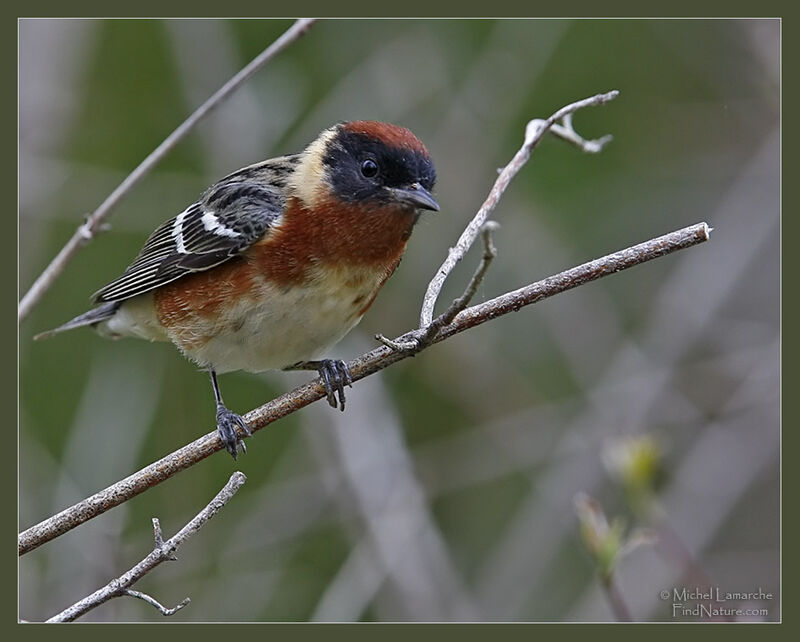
x=275, y=263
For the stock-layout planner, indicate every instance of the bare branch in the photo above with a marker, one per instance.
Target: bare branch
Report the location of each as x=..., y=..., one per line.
x=459, y=304
x=94, y=221
x=360, y=367
x=534, y=132
x=158, y=538
x=405, y=346
x=155, y=603
x=567, y=132
x=489, y=254
x=162, y=552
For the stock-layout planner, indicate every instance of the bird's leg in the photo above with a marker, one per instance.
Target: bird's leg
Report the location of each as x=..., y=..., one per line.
x=227, y=422
x=335, y=376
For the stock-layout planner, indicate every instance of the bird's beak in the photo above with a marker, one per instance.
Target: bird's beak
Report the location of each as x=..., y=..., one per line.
x=416, y=196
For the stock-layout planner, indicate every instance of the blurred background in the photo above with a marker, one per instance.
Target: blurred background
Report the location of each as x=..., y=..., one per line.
x=447, y=490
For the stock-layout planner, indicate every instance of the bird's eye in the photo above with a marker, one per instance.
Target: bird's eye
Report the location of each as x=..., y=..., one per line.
x=369, y=168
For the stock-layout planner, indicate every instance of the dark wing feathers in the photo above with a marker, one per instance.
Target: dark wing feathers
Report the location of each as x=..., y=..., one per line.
x=231, y=216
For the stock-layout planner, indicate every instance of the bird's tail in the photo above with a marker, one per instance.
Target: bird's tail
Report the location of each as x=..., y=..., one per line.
x=98, y=314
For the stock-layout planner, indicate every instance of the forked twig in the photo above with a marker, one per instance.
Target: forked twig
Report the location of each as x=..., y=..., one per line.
x=534, y=132
x=163, y=551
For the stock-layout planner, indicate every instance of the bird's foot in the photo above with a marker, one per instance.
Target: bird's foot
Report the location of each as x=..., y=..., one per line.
x=335, y=376
x=226, y=425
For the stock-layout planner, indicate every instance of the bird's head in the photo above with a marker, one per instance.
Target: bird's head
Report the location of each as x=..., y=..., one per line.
x=369, y=164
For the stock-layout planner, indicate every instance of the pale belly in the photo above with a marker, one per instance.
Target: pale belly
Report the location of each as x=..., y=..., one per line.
x=272, y=329
x=279, y=330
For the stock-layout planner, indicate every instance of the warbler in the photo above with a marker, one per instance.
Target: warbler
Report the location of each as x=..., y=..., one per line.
x=276, y=262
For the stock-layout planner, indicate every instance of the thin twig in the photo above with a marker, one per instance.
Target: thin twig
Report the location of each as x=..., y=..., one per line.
x=360, y=367
x=427, y=334
x=489, y=254
x=166, y=611
x=534, y=132
x=93, y=222
x=158, y=538
x=567, y=132
x=405, y=346
x=162, y=552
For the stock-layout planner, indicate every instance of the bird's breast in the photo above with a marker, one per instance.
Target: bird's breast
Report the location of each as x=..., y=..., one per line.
x=335, y=235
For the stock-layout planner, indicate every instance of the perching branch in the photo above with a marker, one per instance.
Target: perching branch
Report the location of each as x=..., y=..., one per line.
x=162, y=552
x=534, y=132
x=94, y=221
x=361, y=367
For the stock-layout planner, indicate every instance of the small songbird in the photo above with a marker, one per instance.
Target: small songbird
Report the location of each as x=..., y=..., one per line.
x=277, y=262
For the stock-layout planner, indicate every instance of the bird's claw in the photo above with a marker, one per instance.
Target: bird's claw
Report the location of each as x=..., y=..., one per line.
x=335, y=376
x=226, y=425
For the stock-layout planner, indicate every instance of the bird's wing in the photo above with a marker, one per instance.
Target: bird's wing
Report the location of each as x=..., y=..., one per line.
x=231, y=216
